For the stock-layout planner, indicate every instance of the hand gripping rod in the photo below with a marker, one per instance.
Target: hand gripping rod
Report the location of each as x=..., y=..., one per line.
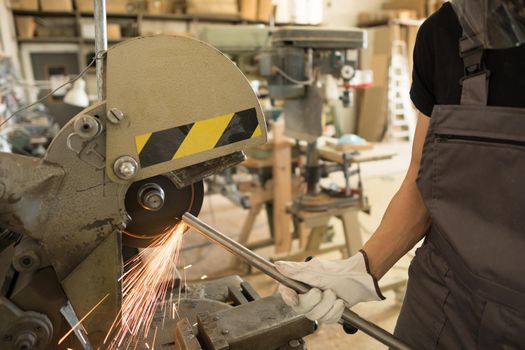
x=269, y=269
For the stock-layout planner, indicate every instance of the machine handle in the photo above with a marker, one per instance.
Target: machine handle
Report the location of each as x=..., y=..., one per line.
x=269, y=269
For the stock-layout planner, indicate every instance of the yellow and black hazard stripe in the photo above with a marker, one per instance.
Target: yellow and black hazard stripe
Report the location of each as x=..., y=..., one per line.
x=204, y=135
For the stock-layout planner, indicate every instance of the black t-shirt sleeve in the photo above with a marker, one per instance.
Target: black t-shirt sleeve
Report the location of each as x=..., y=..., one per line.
x=422, y=90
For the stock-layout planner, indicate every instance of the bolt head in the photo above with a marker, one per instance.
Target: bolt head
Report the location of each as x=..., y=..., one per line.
x=127, y=170
x=87, y=126
x=115, y=115
x=26, y=341
x=25, y=261
x=151, y=197
x=154, y=201
x=125, y=167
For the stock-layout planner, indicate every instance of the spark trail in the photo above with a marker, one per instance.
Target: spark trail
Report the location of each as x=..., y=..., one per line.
x=149, y=278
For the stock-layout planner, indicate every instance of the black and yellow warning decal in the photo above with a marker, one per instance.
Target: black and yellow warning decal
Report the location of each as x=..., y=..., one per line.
x=204, y=135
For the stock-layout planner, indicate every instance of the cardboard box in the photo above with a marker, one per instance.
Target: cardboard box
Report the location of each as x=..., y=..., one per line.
x=112, y=6
x=25, y=26
x=382, y=17
x=87, y=30
x=159, y=7
x=57, y=27
x=249, y=9
x=114, y=32
x=56, y=5
x=24, y=5
x=420, y=6
x=162, y=27
x=265, y=10
x=373, y=102
x=212, y=7
x=84, y=5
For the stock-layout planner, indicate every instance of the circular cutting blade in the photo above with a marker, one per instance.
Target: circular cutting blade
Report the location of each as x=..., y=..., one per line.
x=147, y=225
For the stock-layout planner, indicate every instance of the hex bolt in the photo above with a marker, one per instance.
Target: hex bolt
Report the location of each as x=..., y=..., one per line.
x=87, y=126
x=151, y=197
x=25, y=261
x=26, y=341
x=125, y=167
x=115, y=115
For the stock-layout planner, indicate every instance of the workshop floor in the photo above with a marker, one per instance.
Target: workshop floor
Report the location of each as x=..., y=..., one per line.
x=380, y=180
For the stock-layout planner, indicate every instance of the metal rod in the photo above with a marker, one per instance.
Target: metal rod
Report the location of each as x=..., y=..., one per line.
x=101, y=45
x=313, y=174
x=269, y=269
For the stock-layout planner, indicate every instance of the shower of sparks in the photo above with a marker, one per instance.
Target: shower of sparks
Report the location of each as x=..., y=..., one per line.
x=145, y=285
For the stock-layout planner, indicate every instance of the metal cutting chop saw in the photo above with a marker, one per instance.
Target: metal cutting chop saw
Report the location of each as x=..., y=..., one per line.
x=121, y=173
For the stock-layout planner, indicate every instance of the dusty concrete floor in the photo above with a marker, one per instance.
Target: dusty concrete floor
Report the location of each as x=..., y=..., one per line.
x=380, y=179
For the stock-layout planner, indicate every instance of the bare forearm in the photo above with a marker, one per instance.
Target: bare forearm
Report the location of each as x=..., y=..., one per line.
x=406, y=218
x=403, y=225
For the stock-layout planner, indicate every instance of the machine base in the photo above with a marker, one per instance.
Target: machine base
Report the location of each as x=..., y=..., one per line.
x=227, y=313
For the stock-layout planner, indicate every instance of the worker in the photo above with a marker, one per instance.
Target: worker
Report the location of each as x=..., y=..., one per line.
x=463, y=193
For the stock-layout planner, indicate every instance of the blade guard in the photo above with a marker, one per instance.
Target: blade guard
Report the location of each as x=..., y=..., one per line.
x=183, y=102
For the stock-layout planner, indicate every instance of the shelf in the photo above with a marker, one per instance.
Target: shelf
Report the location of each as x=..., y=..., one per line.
x=70, y=14
x=112, y=15
x=38, y=40
x=147, y=16
x=110, y=41
x=73, y=40
x=216, y=18
x=42, y=13
x=200, y=17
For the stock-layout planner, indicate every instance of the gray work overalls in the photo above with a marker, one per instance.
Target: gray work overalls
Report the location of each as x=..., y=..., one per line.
x=466, y=287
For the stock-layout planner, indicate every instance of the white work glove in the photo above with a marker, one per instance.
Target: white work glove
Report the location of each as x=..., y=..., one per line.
x=336, y=284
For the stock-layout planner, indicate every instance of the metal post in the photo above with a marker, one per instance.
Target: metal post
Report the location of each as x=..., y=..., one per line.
x=101, y=45
x=313, y=175
x=269, y=269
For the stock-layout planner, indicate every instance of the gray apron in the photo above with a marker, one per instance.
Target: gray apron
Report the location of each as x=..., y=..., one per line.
x=466, y=287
